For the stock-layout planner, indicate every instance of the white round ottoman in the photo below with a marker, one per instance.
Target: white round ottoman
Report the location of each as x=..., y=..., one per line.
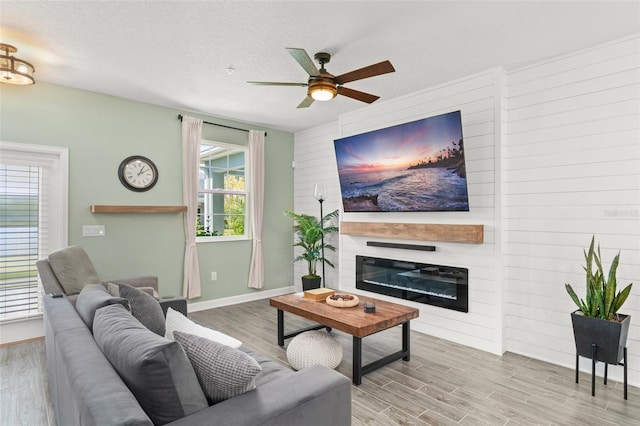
x=314, y=347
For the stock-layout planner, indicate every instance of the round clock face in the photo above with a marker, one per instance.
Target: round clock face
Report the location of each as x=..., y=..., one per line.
x=138, y=173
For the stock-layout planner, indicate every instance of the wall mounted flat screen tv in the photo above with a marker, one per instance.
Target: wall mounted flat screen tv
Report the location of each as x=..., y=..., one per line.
x=412, y=167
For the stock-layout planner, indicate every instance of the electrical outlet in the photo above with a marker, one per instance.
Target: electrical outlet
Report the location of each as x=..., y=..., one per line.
x=93, y=231
x=214, y=276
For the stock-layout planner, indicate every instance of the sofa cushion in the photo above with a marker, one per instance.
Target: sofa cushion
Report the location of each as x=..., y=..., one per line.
x=144, y=307
x=93, y=297
x=73, y=269
x=175, y=321
x=157, y=371
x=223, y=372
x=271, y=369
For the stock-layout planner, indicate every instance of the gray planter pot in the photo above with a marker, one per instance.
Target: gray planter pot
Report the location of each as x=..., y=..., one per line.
x=310, y=283
x=610, y=337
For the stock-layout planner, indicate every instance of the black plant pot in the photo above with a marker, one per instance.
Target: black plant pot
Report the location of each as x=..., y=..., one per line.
x=310, y=283
x=610, y=337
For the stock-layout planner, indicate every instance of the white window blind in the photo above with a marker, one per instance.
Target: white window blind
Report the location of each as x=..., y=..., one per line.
x=19, y=242
x=33, y=200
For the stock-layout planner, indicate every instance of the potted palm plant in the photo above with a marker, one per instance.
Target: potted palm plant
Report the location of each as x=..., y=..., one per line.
x=597, y=321
x=310, y=232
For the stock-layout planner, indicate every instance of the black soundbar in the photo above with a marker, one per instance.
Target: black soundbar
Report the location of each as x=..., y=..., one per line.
x=401, y=246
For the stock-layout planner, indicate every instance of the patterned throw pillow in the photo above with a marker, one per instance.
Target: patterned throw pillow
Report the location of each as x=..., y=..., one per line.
x=223, y=372
x=177, y=322
x=145, y=308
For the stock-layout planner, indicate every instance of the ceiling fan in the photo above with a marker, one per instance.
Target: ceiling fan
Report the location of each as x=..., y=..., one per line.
x=323, y=86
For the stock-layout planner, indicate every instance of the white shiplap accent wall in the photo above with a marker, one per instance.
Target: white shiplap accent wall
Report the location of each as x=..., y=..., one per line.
x=571, y=170
x=480, y=99
x=553, y=157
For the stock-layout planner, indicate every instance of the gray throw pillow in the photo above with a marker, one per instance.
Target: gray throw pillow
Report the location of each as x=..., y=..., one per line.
x=73, y=269
x=144, y=307
x=155, y=370
x=93, y=297
x=115, y=291
x=223, y=372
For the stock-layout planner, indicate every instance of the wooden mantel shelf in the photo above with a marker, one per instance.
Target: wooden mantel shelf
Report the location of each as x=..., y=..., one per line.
x=416, y=231
x=137, y=209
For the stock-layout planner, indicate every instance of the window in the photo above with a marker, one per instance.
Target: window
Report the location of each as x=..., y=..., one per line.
x=222, y=192
x=19, y=212
x=33, y=221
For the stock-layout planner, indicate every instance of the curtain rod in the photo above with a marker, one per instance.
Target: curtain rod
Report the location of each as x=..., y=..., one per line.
x=221, y=125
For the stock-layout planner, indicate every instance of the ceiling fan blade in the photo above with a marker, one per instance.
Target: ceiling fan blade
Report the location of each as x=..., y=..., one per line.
x=275, y=83
x=383, y=67
x=301, y=56
x=306, y=102
x=357, y=95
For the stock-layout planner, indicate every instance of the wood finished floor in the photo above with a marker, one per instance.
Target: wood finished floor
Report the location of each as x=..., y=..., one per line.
x=24, y=388
x=443, y=384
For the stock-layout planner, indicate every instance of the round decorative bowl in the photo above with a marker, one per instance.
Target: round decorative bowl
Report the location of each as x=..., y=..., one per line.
x=343, y=300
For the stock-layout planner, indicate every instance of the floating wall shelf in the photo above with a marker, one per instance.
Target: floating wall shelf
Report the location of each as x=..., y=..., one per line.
x=137, y=209
x=416, y=231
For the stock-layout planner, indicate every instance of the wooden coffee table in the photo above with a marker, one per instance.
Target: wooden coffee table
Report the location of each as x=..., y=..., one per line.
x=353, y=321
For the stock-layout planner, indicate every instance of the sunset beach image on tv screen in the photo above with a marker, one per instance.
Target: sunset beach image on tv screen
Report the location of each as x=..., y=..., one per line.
x=417, y=166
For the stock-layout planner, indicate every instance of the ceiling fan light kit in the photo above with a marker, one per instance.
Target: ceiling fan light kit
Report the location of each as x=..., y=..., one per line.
x=14, y=70
x=321, y=90
x=322, y=86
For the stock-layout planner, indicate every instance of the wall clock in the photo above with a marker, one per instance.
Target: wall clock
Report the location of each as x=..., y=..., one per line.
x=138, y=173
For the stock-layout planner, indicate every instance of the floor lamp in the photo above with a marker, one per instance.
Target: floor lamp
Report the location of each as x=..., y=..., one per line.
x=319, y=195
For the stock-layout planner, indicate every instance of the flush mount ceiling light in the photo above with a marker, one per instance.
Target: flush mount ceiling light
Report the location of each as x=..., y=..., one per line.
x=14, y=70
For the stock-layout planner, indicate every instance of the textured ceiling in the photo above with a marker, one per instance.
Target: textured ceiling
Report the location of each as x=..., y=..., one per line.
x=175, y=53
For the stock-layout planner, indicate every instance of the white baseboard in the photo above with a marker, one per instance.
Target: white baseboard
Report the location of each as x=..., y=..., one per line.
x=22, y=330
x=234, y=300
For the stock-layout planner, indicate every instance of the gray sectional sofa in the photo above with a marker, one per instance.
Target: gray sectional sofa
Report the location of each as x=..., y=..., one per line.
x=86, y=389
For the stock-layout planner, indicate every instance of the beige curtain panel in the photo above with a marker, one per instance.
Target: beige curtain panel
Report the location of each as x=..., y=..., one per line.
x=256, y=202
x=191, y=137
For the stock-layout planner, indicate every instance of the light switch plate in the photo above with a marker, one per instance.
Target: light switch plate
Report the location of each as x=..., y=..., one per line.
x=93, y=230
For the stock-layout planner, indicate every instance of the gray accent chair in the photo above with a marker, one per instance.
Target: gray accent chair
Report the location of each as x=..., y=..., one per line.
x=69, y=269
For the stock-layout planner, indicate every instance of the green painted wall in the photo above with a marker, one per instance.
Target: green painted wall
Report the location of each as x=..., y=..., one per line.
x=100, y=131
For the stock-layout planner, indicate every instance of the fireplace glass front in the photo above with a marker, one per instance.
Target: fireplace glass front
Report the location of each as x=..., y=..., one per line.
x=438, y=285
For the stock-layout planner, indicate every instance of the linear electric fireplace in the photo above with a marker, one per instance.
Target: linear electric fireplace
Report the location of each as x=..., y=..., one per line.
x=438, y=285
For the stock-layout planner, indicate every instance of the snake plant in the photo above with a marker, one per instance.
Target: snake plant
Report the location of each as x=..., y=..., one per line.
x=601, y=299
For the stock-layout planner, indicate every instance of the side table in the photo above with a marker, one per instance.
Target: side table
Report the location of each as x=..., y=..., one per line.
x=176, y=303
